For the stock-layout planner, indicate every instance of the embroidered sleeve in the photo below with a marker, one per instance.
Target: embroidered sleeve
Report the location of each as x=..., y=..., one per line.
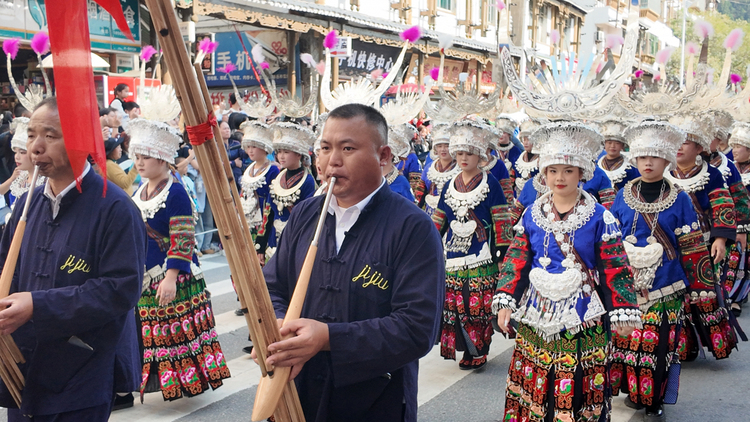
x=514, y=271
x=741, y=206
x=501, y=221
x=419, y=192
x=507, y=186
x=695, y=258
x=615, y=275
x=181, y=241
x=415, y=179
x=515, y=212
x=261, y=240
x=438, y=217
x=723, y=223
x=607, y=197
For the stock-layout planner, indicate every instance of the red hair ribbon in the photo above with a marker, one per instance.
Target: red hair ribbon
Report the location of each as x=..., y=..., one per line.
x=201, y=133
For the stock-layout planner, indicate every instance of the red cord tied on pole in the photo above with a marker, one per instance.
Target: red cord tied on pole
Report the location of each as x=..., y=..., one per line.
x=201, y=133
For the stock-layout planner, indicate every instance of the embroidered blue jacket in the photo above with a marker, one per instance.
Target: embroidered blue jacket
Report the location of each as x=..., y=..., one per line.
x=381, y=296
x=84, y=270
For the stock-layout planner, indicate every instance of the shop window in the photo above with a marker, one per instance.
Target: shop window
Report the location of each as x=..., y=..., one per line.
x=449, y=5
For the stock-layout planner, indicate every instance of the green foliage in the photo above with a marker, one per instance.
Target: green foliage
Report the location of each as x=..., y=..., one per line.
x=723, y=25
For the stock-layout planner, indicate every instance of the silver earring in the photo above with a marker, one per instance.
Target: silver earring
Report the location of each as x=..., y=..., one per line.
x=698, y=160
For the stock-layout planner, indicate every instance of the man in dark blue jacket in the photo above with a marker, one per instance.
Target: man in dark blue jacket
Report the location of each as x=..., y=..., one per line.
x=376, y=292
x=77, y=281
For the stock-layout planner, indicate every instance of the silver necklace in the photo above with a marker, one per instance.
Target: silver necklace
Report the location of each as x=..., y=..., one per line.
x=461, y=203
x=391, y=176
x=285, y=197
x=691, y=184
x=150, y=207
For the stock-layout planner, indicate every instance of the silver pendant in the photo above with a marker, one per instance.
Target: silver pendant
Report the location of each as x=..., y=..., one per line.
x=651, y=240
x=631, y=239
x=545, y=261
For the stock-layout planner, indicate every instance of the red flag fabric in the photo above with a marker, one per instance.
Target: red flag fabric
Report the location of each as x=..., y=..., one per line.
x=74, y=80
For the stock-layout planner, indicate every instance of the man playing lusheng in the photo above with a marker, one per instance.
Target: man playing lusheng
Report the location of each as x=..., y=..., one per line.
x=376, y=291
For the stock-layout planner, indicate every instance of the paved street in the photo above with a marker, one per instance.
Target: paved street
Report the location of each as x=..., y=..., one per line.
x=710, y=390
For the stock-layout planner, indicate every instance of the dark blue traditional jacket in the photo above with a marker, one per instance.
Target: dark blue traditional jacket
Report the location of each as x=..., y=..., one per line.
x=402, y=187
x=381, y=296
x=84, y=270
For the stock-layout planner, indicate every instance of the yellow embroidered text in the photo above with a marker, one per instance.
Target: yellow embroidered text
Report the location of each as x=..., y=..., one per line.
x=75, y=265
x=370, y=277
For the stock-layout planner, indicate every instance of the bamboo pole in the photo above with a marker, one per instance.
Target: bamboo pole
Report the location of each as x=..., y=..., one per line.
x=224, y=199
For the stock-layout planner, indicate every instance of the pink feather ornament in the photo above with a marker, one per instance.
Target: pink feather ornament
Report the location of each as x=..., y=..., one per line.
x=257, y=53
x=206, y=46
x=554, y=36
x=662, y=56
x=638, y=73
x=692, y=48
x=228, y=68
x=385, y=74
x=412, y=34
x=733, y=41
x=331, y=39
x=704, y=29
x=500, y=5
x=11, y=47
x=321, y=67
x=375, y=74
x=656, y=77
x=435, y=73
x=264, y=65
x=735, y=78
x=614, y=41
x=147, y=52
x=40, y=43
x=307, y=59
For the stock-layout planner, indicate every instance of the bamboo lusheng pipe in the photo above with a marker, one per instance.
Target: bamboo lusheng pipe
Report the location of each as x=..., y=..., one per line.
x=224, y=200
x=270, y=387
x=10, y=355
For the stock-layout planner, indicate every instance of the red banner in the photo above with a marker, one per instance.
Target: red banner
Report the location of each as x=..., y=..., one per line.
x=74, y=79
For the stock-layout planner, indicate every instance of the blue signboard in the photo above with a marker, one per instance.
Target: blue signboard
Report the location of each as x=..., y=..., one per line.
x=230, y=50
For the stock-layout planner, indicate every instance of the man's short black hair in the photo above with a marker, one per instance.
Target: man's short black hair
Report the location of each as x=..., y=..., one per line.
x=105, y=111
x=232, y=99
x=371, y=116
x=19, y=110
x=129, y=105
x=120, y=87
x=236, y=119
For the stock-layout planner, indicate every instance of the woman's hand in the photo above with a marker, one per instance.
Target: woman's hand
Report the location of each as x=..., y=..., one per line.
x=719, y=249
x=167, y=289
x=503, y=319
x=625, y=330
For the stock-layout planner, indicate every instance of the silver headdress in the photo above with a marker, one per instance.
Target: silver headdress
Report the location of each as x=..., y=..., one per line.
x=441, y=134
x=740, y=135
x=292, y=137
x=565, y=91
x=19, y=127
x=567, y=143
x=468, y=136
x=722, y=123
x=154, y=139
x=506, y=124
x=530, y=125
x=654, y=139
x=287, y=104
x=257, y=134
x=613, y=130
x=34, y=94
x=697, y=127
x=405, y=106
x=160, y=105
x=399, y=139
x=491, y=133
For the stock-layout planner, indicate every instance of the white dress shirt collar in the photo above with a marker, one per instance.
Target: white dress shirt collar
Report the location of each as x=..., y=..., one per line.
x=55, y=200
x=346, y=217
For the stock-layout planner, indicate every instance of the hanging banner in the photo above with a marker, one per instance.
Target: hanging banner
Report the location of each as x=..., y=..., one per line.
x=24, y=18
x=366, y=57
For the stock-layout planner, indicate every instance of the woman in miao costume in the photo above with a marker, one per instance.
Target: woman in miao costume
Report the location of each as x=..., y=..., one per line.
x=669, y=258
x=438, y=173
x=567, y=282
x=507, y=151
x=712, y=202
x=181, y=351
x=472, y=216
x=614, y=163
x=294, y=183
x=399, y=140
x=20, y=181
x=722, y=124
x=257, y=141
x=494, y=166
x=740, y=144
x=527, y=195
x=527, y=164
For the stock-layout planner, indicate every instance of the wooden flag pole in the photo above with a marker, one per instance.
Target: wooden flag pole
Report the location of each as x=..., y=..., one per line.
x=224, y=199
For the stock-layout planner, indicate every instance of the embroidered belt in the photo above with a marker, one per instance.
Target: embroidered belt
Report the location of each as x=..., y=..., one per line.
x=484, y=257
x=645, y=302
